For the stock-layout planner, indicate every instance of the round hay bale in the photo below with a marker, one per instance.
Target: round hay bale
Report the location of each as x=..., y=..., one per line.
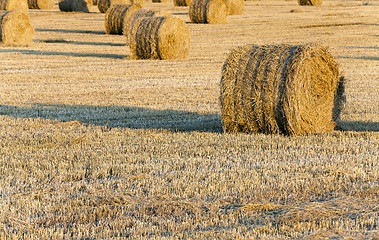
x=208, y=11
x=75, y=5
x=15, y=28
x=10, y=5
x=41, y=4
x=235, y=7
x=182, y=3
x=280, y=89
x=160, y=1
x=116, y=16
x=132, y=23
x=310, y=2
x=95, y=2
x=162, y=38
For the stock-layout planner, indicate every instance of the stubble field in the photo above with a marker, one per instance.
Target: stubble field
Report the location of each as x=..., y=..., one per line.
x=95, y=145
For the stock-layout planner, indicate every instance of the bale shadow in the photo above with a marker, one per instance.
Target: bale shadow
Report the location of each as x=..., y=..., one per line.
x=70, y=31
x=359, y=47
x=357, y=126
x=69, y=54
x=119, y=116
x=360, y=58
x=80, y=43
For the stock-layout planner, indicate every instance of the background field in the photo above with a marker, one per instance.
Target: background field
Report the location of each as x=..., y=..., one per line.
x=94, y=145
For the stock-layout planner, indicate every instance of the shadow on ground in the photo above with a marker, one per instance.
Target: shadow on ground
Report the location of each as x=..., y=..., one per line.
x=119, y=116
x=70, y=31
x=357, y=126
x=69, y=54
x=80, y=43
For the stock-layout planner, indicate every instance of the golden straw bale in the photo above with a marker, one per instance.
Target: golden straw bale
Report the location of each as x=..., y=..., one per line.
x=41, y=4
x=15, y=28
x=280, y=89
x=182, y=2
x=208, y=11
x=10, y=5
x=131, y=24
x=116, y=17
x=235, y=7
x=310, y=2
x=162, y=38
x=75, y=5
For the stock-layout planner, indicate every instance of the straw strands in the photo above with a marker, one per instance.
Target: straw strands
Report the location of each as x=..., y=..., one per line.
x=15, y=28
x=104, y=5
x=75, y=5
x=116, y=16
x=235, y=7
x=280, y=89
x=310, y=2
x=161, y=38
x=41, y=4
x=208, y=11
x=182, y=2
x=9, y=5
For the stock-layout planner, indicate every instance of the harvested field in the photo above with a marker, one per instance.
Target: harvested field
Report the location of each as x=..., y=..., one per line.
x=94, y=145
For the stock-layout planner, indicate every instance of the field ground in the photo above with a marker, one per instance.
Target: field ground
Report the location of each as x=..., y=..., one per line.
x=95, y=145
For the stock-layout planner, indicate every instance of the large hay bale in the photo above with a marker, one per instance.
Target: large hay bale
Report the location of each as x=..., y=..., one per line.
x=161, y=38
x=310, y=2
x=15, y=28
x=280, y=89
x=182, y=2
x=41, y=4
x=75, y=5
x=208, y=11
x=116, y=17
x=235, y=7
x=10, y=5
x=104, y=5
x=132, y=23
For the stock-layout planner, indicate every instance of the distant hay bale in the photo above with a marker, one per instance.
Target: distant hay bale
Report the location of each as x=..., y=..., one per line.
x=292, y=90
x=41, y=4
x=15, y=28
x=116, y=17
x=132, y=23
x=10, y=5
x=208, y=11
x=162, y=38
x=235, y=7
x=75, y=5
x=104, y=5
x=95, y=2
x=310, y=2
x=182, y=2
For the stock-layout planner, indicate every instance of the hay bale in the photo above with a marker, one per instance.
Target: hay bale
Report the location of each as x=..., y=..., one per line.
x=310, y=2
x=10, y=5
x=235, y=7
x=182, y=3
x=95, y=2
x=280, y=89
x=75, y=5
x=132, y=23
x=160, y=1
x=41, y=4
x=161, y=38
x=116, y=17
x=15, y=28
x=104, y=5
x=208, y=11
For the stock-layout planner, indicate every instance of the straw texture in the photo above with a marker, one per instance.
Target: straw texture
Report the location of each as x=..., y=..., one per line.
x=208, y=11
x=235, y=7
x=15, y=28
x=116, y=16
x=162, y=38
x=41, y=4
x=10, y=5
x=310, y=2
x=280, y=89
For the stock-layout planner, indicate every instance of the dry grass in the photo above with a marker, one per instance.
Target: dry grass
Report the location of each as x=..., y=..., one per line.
x=96, y=146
